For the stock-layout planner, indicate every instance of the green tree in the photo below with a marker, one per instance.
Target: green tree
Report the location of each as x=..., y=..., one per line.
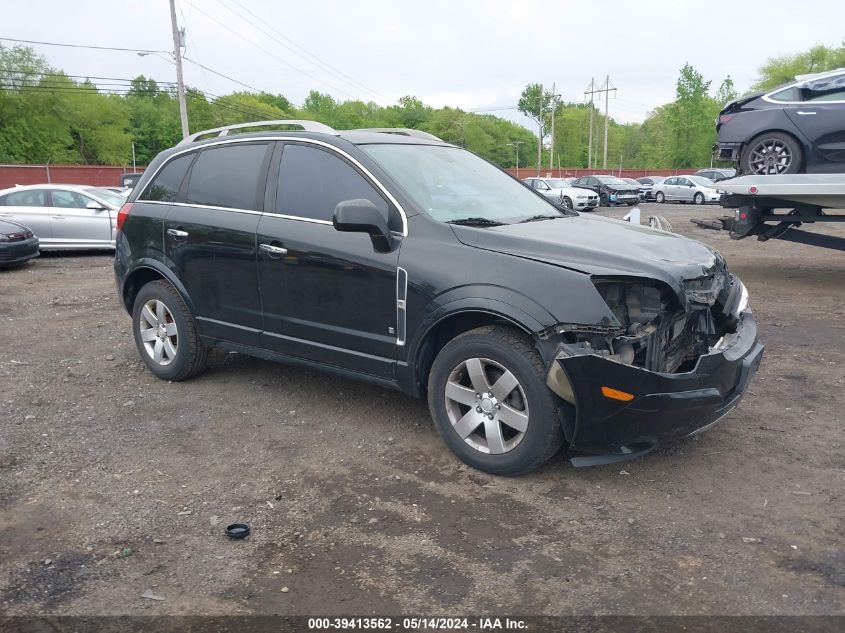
x=783, y=69
x=691, y=119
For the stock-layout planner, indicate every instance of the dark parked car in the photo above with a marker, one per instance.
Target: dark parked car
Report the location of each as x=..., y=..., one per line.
x=611, y=190
x=647, y=184
x=17, y=244
x=796, y=128
x=715, y=174
x=410, y=263
x=640, y=188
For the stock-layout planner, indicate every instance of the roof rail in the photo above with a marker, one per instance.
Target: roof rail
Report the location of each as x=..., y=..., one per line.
x=401, y=131
x=308, y=126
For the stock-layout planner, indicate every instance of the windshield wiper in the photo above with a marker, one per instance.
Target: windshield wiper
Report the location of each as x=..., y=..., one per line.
x=475, y=222
x=537, y=218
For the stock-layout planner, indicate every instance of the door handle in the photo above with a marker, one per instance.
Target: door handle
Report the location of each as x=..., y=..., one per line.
x=803, y=113
x=273, y=250
x=177, y=233
x=58, y=217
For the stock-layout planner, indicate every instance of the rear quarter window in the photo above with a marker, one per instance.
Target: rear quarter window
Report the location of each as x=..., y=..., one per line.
x=165, y=186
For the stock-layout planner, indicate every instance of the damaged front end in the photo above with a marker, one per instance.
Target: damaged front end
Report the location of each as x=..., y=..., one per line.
x=667, y=363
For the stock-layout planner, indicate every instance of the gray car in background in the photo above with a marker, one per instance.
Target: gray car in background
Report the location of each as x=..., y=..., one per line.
x=64, y=216
x=561, y=192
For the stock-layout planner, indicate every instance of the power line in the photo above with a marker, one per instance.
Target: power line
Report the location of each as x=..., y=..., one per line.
x=270, y=53
x=315, y=60
x=102, y=48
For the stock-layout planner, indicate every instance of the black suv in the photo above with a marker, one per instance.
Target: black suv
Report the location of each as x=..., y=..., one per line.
x=402, y=260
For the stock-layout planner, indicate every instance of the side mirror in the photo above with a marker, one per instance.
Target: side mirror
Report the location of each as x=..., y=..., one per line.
x=94, y=206
x=362, y=216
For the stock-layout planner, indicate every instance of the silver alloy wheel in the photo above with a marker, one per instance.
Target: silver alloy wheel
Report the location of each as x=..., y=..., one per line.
x=486, y=405
x=659, y=197
x=770, y=156
x=566, y=202
x=158, y=332
x=698, y=198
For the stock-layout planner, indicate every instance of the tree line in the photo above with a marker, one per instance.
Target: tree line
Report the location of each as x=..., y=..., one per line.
x=47, y=115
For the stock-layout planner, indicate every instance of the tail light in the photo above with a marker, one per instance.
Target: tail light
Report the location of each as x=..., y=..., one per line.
x=123, y=214
x=724, y=118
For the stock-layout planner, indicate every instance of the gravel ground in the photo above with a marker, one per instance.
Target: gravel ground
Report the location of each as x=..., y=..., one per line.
x=115, y=485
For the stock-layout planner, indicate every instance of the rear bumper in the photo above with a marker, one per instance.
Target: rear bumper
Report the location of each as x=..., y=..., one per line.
x=17, y=252
x=727, y=151
x=666, y=407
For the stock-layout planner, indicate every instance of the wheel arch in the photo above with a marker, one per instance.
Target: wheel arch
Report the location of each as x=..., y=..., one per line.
x=145, y=272
x=445, y=327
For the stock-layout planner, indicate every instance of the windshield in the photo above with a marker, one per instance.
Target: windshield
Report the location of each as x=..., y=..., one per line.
x=451, y=184
x=610, y=180
x=112, y=197
x=702, y=181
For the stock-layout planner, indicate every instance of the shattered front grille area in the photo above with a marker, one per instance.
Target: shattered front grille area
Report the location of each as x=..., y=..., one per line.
x=658, y=329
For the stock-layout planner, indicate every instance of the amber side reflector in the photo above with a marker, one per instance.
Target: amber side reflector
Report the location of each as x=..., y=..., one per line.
x=615, y=394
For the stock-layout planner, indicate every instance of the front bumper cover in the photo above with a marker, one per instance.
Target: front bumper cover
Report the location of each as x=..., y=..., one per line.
x=665, y=407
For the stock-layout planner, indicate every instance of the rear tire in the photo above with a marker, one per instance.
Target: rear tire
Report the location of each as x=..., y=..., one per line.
x=465, y=388
x=772, y=153
x=659, y=197
x=166, y=333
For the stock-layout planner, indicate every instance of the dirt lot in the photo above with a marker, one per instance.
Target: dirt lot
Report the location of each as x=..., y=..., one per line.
x=113, y=483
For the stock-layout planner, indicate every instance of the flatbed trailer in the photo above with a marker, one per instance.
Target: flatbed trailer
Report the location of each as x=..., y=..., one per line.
x=773, y=207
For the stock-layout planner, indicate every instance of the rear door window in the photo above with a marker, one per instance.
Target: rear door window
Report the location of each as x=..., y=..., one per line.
x=228, y=176
x=165, y=186
x=312, y=181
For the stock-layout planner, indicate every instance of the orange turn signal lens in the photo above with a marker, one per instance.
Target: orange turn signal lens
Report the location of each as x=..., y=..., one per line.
x=615, y=394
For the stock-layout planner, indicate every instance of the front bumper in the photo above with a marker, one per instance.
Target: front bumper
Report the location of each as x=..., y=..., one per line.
x=665, y=407
x=17, y=252
x=581, y=205
x=624, y=198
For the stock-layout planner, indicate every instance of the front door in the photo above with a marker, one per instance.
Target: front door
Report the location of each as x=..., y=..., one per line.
x=209, y=238
x=326, y=296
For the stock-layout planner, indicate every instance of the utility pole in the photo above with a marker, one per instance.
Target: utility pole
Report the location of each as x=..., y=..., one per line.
x=540, y=133
x=553, y=100
x=515, y=145
x=180, y=84
x=606, y=88
x=590, y=90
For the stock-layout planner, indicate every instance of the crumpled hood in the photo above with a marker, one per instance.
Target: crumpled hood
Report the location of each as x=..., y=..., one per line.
x=600, y=246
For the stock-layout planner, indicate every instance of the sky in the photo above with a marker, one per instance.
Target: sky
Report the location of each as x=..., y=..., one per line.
x=476, y=55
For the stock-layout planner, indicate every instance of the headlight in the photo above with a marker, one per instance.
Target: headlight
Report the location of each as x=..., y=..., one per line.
x=581, y=197
x=742, y=304
x=4, y=237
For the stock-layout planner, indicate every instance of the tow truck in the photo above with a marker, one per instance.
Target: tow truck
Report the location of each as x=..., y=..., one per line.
x=773, y=207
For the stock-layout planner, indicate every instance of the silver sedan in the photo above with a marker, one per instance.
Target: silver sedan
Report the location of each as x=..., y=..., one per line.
x=686, y=189
x=64, y=216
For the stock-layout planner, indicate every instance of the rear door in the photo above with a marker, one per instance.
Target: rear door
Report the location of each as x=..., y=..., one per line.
x=74, y=224
x=820, y=118
x=30, y=207
x=209, y=237
x=326, y=296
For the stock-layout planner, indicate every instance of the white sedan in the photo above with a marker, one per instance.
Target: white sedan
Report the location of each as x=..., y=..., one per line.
x=64, y=216
x=561, y=192
x=686, y=189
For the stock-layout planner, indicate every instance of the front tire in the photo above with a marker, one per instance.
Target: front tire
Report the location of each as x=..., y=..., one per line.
x=659, y=197
x=566, y=202
x=490, y=404
x=604, y=200
x=698, y=198
x=772, y=153
x=166, y=333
